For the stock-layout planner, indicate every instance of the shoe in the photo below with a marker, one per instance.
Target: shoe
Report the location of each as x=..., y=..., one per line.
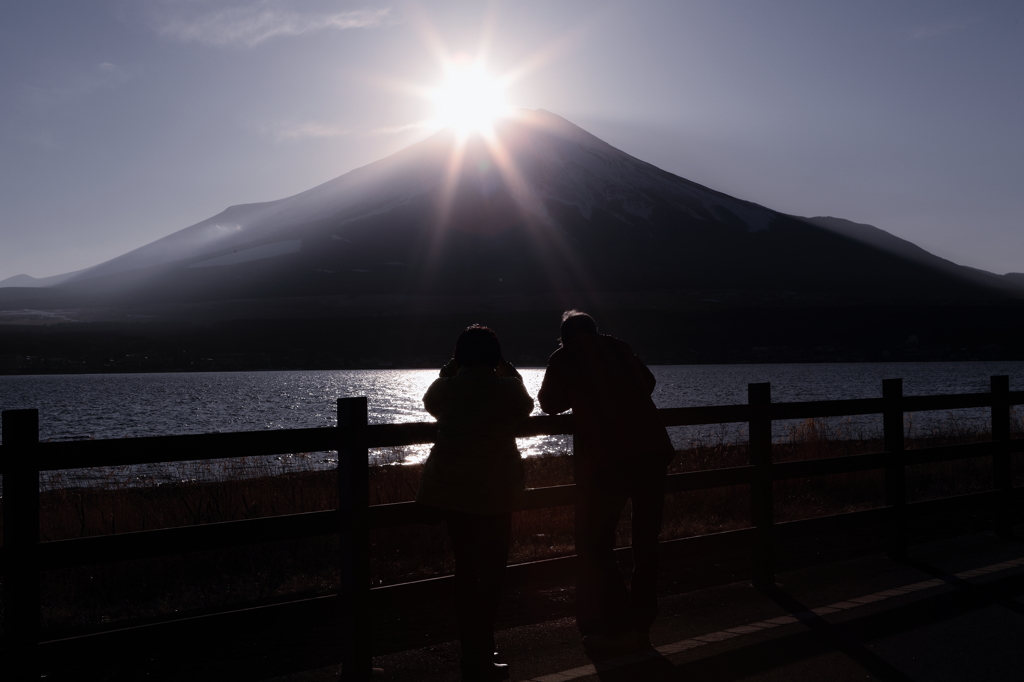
x=485, y=672
x=603, y=647
x=480, y=664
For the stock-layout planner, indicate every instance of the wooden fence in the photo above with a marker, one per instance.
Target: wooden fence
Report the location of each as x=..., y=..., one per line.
x=23, y=457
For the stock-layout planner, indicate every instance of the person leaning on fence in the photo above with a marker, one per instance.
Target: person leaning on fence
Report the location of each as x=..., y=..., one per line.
x=475, y=476
x=621, y=451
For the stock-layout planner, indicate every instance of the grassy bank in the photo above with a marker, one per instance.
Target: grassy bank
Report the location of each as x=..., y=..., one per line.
x=82, y=598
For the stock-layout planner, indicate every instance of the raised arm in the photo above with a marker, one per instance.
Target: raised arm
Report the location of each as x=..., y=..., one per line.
x=554, y=389
x=432, y=399
x=523, y=401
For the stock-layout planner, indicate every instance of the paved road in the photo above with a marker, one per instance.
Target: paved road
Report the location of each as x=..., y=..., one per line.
x=952, y=612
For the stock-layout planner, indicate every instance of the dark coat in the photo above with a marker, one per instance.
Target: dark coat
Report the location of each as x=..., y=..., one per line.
x=609, y=390
x=474, y=466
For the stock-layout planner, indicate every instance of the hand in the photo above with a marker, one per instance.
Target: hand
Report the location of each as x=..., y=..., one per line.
x=450, y=369
x=506, y=369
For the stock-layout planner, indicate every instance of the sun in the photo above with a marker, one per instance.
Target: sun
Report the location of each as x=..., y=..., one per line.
x=469, y=100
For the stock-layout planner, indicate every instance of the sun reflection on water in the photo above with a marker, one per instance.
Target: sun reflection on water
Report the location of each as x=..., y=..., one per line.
x=75, y=407
x=396, y=396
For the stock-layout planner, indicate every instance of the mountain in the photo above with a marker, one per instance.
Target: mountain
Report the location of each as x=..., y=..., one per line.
x=545, y=178
x=884, y=241
x=545, y=208
x=28, y=281
x=383, y=265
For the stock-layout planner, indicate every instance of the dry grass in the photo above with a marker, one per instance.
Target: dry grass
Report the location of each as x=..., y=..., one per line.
x=88, y=596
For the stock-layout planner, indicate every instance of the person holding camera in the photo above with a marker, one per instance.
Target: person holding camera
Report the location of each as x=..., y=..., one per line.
x=475, y=477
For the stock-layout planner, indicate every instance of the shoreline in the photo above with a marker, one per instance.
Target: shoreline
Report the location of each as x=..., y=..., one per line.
x=368, y=367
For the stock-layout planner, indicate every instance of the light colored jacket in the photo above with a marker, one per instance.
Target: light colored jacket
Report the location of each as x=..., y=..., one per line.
x=475, y=466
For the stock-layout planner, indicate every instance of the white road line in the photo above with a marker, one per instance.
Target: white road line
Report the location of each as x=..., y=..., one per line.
x=739, y=631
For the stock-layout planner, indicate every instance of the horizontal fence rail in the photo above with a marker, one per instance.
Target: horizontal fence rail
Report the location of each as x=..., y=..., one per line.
x=23, y=457
x=113, y=452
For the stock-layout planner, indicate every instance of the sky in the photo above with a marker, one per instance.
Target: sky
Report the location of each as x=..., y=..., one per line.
x=122, y=121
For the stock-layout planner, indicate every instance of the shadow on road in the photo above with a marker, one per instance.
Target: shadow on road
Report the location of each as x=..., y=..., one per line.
x=655, y=668
x=832, y=637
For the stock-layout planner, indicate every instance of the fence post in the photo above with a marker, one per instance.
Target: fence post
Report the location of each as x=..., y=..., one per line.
x=1002, y=480
x=354, y=539
x=762, y=506
x=895, y=470
x=21, y=536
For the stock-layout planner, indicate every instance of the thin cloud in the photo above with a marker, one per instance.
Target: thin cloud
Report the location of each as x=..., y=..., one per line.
x=302, y=131
x=313, y=130
x=250, y=25
x=419, y=125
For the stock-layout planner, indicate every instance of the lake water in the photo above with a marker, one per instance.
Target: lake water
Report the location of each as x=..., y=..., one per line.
x=125, y=405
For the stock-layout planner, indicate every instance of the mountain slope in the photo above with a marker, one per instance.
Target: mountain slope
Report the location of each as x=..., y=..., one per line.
x=884, y=241
x=553, y=160
x=547, y=208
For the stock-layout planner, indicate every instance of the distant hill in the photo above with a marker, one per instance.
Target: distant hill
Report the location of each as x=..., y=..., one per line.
x=28, y=281
x=1016, y=278
x=873, y=236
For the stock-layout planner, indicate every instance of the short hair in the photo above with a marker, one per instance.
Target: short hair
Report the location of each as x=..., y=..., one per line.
x=576, y=322
x=478, y=345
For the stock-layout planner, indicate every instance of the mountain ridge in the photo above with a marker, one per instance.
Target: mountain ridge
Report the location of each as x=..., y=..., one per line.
x=548, y=208
x=869, y=234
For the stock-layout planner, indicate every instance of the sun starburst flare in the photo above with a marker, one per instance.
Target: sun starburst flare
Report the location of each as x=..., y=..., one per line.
x=469, y=100
x=473, y=103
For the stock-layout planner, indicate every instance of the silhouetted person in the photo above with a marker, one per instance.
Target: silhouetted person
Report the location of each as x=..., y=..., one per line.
x=621, y=451
x=475, y=476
